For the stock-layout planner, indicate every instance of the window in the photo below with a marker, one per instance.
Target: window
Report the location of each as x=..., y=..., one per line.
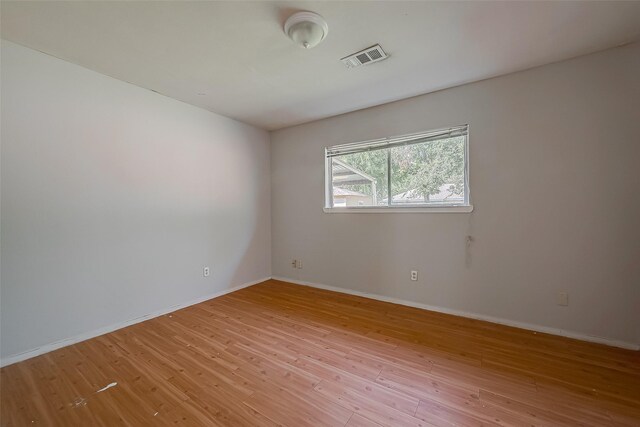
x=428, y=170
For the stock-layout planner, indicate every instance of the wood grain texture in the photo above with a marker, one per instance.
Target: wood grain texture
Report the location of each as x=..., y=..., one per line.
x=283, y=354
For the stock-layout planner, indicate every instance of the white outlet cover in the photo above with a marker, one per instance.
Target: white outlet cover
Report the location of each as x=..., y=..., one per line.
x=562, y=298
x=206, y=271
x=414, y=275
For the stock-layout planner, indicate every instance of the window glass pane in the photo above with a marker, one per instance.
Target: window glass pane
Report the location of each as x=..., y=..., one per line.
x=430, y=173
x=360, y=179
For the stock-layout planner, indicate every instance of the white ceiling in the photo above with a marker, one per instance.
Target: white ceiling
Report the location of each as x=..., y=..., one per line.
x=234, y=59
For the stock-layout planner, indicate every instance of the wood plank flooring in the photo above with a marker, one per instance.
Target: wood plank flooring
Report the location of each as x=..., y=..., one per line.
x=283, y=354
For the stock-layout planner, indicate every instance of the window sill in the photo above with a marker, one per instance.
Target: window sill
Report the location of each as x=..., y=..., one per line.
x=406, y=209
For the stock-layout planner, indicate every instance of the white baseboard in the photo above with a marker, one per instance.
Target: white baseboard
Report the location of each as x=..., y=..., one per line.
x=105, y=330
x=498, y=320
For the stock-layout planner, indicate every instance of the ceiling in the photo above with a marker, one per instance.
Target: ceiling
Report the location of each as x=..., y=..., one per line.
x=233, y=58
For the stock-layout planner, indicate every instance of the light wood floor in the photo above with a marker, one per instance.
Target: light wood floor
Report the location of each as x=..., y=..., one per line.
x=283, y=354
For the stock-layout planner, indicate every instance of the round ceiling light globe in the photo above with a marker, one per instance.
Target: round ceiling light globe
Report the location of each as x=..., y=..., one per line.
x=306, y=29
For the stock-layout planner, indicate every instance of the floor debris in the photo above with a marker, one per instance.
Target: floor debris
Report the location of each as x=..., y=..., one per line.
x=107, y=387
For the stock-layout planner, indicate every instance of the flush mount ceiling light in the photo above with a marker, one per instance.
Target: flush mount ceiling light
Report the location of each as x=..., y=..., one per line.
x=306, y=29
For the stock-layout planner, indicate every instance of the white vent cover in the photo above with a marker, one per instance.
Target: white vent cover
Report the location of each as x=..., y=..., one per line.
x=364, y=57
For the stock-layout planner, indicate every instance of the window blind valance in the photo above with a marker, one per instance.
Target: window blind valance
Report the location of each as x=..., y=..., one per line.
x=378, y=144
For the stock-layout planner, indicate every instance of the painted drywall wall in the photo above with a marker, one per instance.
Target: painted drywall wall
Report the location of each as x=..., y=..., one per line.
x=114, y=198
x=554, y=177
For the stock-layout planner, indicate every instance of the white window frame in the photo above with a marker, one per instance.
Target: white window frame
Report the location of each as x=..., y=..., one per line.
x=390, y=142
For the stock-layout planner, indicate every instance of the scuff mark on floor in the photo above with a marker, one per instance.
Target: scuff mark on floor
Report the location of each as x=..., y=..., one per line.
x=81, y=401
x=107, y=387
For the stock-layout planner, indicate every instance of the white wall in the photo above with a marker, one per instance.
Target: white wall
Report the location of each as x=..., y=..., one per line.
x=555, y=178
x=113, y=200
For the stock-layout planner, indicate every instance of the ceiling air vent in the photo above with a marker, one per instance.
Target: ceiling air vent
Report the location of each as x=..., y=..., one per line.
x=364, y=57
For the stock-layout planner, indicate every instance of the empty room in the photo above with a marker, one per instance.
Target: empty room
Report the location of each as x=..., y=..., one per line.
x=320, y=213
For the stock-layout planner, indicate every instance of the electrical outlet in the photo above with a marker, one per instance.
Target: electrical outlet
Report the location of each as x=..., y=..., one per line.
x=562, y=298
x=206, y=272
x=300, y=264
x=294, y=263
x=414, y=275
